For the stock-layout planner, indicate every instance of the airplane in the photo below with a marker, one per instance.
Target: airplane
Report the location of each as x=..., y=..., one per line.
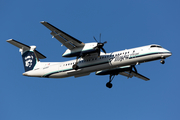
x=89, y=58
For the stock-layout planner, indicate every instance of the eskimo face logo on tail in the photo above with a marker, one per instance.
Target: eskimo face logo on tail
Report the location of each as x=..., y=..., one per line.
x=28, y=61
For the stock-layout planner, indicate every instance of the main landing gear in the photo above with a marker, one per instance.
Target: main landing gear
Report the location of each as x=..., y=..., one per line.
x=75, y=66
x=109, y=84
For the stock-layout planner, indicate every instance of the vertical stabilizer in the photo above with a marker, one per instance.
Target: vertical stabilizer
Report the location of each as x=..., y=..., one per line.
x=30, y=56
x=29, y=60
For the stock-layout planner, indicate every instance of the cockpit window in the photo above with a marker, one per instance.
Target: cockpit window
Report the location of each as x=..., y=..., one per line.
x=157, y=46
x=153, y=46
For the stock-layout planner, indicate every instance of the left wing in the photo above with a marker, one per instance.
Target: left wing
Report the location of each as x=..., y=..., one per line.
x=67, y=40
x=135, y=74
x=124, y=70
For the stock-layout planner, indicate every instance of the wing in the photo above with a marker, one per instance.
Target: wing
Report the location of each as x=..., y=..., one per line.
x=124, y=70
x=67, y=40
x=135, y=74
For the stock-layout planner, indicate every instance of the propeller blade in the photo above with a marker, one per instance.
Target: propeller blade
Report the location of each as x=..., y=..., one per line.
x=105, y=42
x=103, y=50
x=100, y=38
x=95, y=39
x=99, y=52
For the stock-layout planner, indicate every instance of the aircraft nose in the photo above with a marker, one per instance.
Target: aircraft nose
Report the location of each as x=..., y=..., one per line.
x=168, y=54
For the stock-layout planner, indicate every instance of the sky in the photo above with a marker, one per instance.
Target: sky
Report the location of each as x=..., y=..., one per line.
x=124, y=25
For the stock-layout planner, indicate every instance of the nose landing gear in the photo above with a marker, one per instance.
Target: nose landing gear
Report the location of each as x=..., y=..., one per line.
x=162, y=61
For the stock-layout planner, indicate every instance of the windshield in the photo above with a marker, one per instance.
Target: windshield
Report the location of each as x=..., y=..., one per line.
x=157, y=46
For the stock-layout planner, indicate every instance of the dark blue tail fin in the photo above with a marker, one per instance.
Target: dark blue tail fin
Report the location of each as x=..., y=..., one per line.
x=29, y=60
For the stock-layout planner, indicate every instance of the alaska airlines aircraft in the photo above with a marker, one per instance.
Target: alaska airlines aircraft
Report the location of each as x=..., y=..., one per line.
x=89, y=58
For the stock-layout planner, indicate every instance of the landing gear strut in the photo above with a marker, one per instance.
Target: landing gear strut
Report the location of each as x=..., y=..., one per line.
x=75, y=66
x=109, y=84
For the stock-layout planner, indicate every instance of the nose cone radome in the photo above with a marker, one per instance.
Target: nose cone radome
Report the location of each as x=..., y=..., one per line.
x=170, y=53
x=167, y=54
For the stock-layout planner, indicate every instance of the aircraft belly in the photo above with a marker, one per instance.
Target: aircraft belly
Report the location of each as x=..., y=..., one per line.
x=59, y=75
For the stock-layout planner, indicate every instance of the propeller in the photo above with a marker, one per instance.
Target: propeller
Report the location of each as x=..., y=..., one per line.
x=100, y=45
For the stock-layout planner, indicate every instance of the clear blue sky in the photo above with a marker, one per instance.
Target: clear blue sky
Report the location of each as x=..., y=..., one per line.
x=124, y=24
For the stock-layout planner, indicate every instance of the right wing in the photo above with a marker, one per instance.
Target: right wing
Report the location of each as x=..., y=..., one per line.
x=67, y=40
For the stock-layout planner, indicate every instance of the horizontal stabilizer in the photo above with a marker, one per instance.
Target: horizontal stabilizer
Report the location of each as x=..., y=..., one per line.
x=21, y=45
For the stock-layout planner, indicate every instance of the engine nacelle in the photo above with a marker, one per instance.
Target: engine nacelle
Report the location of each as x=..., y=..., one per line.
x=82, y=51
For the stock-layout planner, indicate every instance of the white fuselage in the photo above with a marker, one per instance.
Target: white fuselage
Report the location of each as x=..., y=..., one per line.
x=105, y=61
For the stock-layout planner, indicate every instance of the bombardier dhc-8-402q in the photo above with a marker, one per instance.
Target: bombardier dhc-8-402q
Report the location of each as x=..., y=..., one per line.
x=89, y=58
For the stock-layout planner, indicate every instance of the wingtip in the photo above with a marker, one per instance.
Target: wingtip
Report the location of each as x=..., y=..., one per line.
x=43, y=22
x=9, y=40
